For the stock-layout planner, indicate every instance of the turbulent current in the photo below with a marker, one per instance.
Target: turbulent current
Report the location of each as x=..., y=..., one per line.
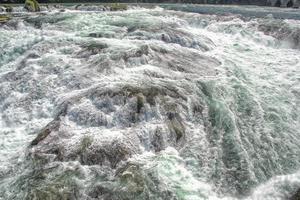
x=149, y=104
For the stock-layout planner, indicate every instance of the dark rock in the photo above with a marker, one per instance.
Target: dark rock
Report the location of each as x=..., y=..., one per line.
x=8, y=8
x=140, y=103
x=94, y=48
x=52, y=126
x=296, y=196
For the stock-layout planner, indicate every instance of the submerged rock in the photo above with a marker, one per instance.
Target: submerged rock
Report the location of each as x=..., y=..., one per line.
x=176, y=125
x=282, y=31
x=4, y=18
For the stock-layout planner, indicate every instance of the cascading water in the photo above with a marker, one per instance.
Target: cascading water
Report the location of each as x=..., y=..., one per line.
x=149, y=104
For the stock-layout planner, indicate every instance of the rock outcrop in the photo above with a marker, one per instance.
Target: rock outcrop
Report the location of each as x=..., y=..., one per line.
x=32, y=5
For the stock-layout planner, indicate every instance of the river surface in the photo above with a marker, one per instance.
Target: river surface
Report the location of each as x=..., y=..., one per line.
x=150, y=104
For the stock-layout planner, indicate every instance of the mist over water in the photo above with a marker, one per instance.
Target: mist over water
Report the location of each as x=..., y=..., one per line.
x=149, y=104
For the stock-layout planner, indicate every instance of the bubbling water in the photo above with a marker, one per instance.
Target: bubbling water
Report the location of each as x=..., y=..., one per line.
x=149, y=104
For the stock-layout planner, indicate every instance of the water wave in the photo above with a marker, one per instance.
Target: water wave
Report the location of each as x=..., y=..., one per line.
x=149, y=104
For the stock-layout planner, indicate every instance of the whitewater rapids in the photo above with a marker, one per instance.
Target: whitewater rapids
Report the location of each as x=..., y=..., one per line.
x=149, y=104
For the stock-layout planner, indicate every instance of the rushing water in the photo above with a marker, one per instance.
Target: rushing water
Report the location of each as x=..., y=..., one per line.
x=149, y=104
